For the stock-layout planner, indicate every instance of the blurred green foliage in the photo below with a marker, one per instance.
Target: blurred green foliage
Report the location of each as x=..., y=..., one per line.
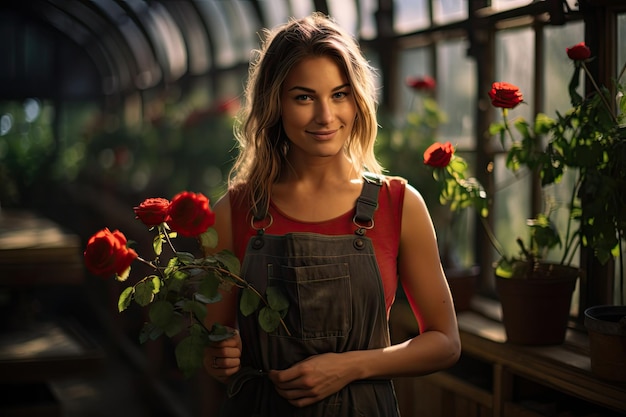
x=43, y=149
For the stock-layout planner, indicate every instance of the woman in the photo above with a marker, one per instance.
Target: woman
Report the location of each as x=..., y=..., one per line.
x=303, y=215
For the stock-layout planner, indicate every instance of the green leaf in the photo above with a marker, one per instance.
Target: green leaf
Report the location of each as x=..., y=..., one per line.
x=277, y=299
x=575, y=98
x=144, y=292
x=205, y=300
x=197, y=308
x=220, y=332
x=172, y=264
x=458, y=165
x=157, y=244
x=249, y=302
x=156, y=282
x=149, y=332
x=208, y=239
x=185, y=258
x=269, y=319
x=198, y=330
x=544, y=232
x=161, y=313
x=504, y=270
x=543, y=123
x=522, y=127
x=125, y=298
x=209, y=287
x=496, y=129
x=175, y=326
x=229, y=260
x=177, y=280
x=189, y=354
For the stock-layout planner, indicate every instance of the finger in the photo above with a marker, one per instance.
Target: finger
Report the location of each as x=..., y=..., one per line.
x=228, y=352
x=292, y=394
x=298, y=398
x=230, y=342
x=221, y=368
x=225, y=363
x=284, y=378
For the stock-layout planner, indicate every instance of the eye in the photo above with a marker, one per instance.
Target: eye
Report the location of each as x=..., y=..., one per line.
x=303, y=97
x=340, y=95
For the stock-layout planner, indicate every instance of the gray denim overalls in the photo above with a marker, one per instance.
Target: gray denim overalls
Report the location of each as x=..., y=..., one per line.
x=336, y=305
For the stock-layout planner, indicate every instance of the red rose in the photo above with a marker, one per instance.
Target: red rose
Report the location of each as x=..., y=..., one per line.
x=190, y=214
x=438, y=155
x=152, y=211
x=579, y=52
x=106, y=253
x=424, y=83
x=505, y=95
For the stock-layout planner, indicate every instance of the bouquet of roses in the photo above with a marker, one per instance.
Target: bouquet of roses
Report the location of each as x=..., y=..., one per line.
x=179, y=288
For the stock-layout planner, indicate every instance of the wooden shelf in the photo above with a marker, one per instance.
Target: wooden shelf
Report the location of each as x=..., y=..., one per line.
x=565, y=368
x=495, y=378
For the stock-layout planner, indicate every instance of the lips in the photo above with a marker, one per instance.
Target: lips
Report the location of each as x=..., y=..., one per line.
x=323, y=134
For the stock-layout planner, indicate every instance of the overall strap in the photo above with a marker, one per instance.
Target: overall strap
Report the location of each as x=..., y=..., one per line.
x=367, y=202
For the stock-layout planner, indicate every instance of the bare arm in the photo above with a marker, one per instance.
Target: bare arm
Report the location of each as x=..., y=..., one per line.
x=221, y=360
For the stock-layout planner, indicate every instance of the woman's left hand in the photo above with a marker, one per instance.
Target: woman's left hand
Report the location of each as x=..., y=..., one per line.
x=310, y=380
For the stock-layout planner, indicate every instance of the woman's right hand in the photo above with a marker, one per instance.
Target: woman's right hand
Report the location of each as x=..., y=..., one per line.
x=223, y=359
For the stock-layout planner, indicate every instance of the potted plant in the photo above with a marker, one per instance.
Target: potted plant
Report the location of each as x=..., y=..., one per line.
x=606, y=325
x=587, y=140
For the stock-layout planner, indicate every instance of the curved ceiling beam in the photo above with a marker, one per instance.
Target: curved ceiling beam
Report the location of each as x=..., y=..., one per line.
x=120, y=25
x=195, y=36
x=81, y=29
x=163, y=35
x=103, y=36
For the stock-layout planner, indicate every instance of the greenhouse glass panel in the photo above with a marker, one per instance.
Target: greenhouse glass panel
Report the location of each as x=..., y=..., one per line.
x=368, y=23
x=410, y=15
x=242, y=16
x=446, y=11
x=515, y=64
x=345, y=13
x=274, y=12
x=301, y=8
x=456, y=92
x=509, y=4
x=222, y=36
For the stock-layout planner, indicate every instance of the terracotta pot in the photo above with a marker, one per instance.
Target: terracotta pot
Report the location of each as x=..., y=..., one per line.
x=606, y=326
x=535, y=309
x=462, y=283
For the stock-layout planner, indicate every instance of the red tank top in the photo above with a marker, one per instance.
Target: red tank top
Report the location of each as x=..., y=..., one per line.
x=385, y=235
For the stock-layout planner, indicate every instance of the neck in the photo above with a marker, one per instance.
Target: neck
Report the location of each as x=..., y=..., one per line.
x=328, y=170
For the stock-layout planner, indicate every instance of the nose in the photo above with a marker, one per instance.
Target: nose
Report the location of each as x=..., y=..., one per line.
x=324, y=113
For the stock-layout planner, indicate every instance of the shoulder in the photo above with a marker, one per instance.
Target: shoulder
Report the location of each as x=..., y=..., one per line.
x=403, y=199
x=400, y=187
x=238, y=197
x=393, y=188
x=395, y=183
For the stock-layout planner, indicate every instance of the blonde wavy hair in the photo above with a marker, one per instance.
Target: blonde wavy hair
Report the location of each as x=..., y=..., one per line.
x=258, y=128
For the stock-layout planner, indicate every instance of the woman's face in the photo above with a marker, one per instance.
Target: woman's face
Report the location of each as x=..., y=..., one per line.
x=318, y=107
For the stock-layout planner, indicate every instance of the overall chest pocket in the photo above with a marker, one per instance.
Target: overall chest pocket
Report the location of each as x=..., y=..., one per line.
x=320, y=299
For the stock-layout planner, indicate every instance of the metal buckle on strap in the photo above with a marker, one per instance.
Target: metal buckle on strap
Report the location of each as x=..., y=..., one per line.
x=262, y=227
x=362, y=227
